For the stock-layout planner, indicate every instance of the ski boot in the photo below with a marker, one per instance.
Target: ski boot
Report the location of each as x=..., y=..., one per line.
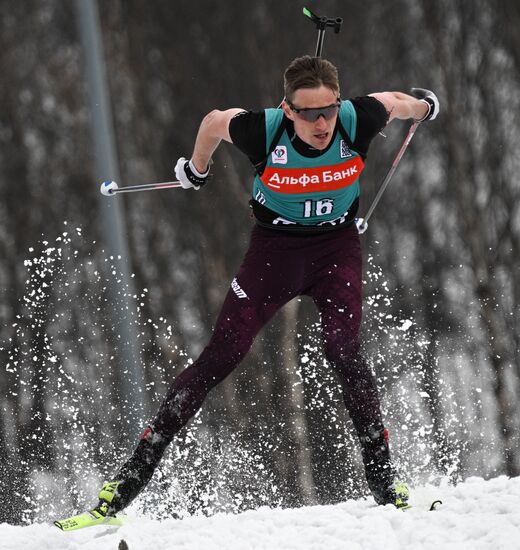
x=134, y=475
x=381, y=475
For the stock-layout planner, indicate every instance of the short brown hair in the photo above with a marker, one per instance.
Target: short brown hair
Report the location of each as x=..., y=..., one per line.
x=310, y=72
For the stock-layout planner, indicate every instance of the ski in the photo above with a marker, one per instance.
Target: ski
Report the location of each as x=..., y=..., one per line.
x=434, y=505
x=94, y=517
x=89, y=519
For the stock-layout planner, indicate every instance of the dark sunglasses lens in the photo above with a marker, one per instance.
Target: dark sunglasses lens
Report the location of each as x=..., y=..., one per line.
x=311, y=115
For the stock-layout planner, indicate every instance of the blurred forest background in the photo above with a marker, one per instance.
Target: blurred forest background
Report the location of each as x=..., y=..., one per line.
x=442, y=315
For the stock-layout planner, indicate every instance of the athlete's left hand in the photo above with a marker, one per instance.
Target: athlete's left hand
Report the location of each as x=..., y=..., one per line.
x=428, y=97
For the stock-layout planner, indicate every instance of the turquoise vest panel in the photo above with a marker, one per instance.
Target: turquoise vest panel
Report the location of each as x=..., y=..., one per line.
x=305, y=190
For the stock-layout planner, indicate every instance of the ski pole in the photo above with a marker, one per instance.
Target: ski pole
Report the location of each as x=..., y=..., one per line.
x=362, y=223
x=109, y=188
x=321, y=24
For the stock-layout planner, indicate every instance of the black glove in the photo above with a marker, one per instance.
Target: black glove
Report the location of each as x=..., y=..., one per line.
x=430, y=99
x=188, y=175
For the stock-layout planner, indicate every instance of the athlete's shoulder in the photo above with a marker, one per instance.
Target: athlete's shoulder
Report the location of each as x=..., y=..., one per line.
x=247, y=130
x=371, y=118
x=370, y=110
x=244, y=123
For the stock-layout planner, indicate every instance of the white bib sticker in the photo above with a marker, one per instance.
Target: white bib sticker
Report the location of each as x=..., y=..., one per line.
x=279, y=155
x=344, y=151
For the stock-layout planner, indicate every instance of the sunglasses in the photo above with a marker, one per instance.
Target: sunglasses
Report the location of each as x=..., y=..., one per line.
x=314, y=113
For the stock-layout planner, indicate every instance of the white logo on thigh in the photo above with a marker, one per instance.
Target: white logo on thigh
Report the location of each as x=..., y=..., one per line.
x=237, y=289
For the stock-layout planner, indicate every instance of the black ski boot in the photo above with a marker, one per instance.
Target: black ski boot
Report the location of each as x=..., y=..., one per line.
x=380, y=473
x=134, y=475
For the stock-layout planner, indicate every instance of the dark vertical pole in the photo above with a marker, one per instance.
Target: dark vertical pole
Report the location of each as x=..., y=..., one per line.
x=319, y=44
x=106, y=167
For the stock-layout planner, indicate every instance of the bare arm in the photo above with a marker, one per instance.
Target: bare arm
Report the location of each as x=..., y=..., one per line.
x=402, y=106
x=213, y=129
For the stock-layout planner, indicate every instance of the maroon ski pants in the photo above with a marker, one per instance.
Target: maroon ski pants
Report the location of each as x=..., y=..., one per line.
x=277, y=268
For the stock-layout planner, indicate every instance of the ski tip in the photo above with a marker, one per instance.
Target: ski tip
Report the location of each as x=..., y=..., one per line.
x=89, y=519
x=435, y=504
x=75, y=522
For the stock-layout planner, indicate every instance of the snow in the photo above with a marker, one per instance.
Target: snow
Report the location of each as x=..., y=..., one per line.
x=475, y=515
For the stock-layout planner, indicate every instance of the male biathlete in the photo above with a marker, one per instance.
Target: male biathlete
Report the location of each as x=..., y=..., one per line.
x=308, y=157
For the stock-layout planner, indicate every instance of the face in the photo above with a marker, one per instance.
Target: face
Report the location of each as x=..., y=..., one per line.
x=317, y=134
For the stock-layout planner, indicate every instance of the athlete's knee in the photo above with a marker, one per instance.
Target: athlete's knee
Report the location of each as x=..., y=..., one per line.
x=223, y=353
x=185, y=397
x=340, y=346
x=233, y=337
x=340, y=337
x=200, y=378
x=346, y=358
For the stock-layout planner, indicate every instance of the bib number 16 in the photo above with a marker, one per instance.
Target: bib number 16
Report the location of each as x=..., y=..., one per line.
x=320, y=207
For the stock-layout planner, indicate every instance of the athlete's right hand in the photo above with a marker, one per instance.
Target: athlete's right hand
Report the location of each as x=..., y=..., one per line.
x=188, y=175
